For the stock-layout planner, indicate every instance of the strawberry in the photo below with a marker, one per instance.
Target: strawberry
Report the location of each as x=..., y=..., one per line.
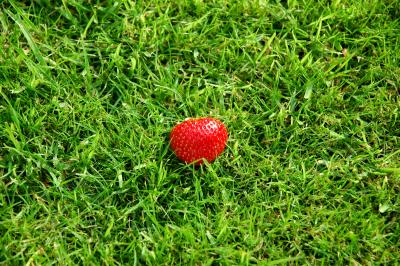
x=198, y=138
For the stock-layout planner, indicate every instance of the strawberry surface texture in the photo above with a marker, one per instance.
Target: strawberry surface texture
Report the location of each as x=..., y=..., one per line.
x=197, y=139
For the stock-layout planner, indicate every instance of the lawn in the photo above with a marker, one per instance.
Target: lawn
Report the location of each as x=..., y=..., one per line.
x=309, y=92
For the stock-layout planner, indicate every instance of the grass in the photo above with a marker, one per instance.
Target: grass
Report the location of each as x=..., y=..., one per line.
x=309, y=91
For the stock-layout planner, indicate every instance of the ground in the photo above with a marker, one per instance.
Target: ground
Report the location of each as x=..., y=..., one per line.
x=309, y=92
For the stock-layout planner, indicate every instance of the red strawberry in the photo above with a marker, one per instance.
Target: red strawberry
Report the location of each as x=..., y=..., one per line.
x=197, y=139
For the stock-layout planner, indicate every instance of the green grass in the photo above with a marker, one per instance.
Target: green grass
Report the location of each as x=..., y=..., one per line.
x=309, y=91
